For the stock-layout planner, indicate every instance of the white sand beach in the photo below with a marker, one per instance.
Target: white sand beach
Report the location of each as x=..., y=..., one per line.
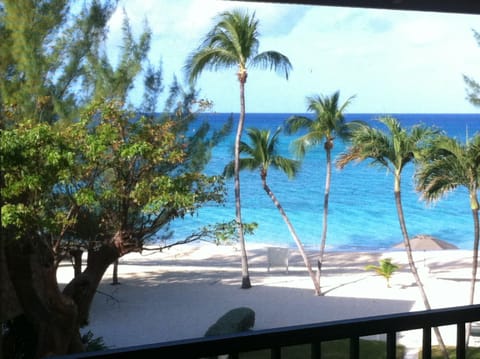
x=179, y=293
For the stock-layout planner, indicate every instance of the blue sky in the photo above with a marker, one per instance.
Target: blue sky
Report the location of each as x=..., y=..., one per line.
x=392, y=61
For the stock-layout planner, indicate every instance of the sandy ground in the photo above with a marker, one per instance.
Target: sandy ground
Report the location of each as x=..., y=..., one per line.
x=179, y=293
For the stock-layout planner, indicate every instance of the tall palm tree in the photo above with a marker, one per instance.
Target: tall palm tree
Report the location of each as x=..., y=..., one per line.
x=449, y=165
x=233, y=42
x=327, y=125
x=392, y=149
x=262, y=154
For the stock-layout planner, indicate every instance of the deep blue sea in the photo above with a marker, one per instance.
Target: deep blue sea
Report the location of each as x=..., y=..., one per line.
x=362, y=213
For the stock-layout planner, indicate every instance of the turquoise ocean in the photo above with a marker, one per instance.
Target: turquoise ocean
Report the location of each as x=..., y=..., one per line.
x=362, y=214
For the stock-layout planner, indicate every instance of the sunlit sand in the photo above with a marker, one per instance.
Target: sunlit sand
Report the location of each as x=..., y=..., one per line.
x=179, y=293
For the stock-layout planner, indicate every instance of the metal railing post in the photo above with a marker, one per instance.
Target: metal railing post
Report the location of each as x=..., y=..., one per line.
x=354, y=347
x=427, y=343
x=461, y=341
x=391, y=345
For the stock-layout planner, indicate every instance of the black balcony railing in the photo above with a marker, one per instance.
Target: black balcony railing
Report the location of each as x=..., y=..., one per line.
x=313, y=334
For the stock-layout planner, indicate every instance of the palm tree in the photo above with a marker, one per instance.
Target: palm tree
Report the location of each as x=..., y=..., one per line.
x=328, y=124
x=385, y=268
x=447, y=166
x=233, y=42
x=261, y=155
x=392, y=150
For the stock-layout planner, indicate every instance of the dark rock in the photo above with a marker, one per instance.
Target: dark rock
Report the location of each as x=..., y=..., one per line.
x=234, y=321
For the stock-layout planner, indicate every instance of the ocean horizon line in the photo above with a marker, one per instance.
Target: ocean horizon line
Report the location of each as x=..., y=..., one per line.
x=346, y=113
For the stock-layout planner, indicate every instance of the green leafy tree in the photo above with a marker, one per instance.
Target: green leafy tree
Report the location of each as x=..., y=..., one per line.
x=34, y=159
x=139, y=179
x=473, y=87
x=46, y=49
x=261, y=155
x=327, y=125
x=385, y=268
x=79, y=170
x=233, y=42
x=392, y=150
x=43, y=51
x=126, y=179
x=448, y=165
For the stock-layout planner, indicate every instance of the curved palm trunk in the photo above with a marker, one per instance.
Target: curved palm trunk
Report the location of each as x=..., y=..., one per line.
x=325, y=211
x=476, y=227
x=411, y=262
x=238, y=207
x=294, y=235
x=475, y=255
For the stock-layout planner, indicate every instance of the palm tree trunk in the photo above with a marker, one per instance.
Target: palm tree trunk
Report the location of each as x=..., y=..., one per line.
x=411, y=262
x=325, y=214
x=238, y=207
x=475, y=254
x=115, y=273
x=295, y=237
x=474, y=262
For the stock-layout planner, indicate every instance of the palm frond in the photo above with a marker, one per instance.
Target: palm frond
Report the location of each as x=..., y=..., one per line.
x=249, y=163
x=351, y=155
x=303, y=143
x=240, y=34
x=392, y=148
x=295, y=123
x=231, y=42
x=229, y=170
x=209, y=58
x=286, y=165
x=262, y=153
x=447, y=165
x=272, y=60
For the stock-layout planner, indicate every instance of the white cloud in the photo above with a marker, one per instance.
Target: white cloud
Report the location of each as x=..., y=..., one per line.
x=392, y=60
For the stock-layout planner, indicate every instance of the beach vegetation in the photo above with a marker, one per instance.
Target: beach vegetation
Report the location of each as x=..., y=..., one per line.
x=92, y=343
x=385, y=268
x=105, y=185
x=261, y=155
x=392, y=148
x=448, y=165
x=226, y=233
x=327, y=125
x=234, y=42
x=82, y=168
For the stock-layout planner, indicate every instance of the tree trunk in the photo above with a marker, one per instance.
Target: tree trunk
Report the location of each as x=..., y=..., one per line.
x=238, y=207
x=76, y=255
x=82, y=288
x=476, y=227
x=475, y=255
x=295, y=237
x=325, y=213
x=411, y=262
x=52, y=315
x=9, y=305
x=115, y=273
